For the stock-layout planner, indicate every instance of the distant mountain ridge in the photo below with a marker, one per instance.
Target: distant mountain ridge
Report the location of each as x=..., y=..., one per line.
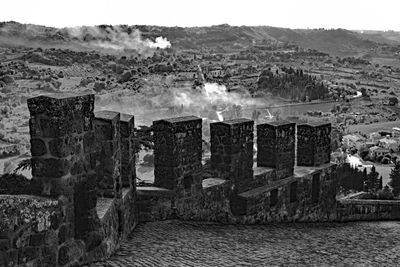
x=338, y=42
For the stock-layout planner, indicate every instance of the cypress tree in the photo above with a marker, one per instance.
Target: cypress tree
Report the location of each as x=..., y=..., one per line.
x=365, y=180
x=373, y=180
x=395, y=179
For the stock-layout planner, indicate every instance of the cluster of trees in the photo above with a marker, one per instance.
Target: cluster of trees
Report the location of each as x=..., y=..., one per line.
x=353, y=179
x=353, y=61
x=292, y=84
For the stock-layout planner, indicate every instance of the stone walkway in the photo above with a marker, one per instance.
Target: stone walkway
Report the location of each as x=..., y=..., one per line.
x=176, y=243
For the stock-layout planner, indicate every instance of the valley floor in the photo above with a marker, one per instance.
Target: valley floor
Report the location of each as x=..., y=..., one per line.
x=176, y=243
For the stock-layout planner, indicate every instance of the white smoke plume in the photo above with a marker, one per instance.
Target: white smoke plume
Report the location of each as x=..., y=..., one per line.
x=110, y=39
x=213, y=94
x=160, y=42
x=116, y=38
x=155, y=102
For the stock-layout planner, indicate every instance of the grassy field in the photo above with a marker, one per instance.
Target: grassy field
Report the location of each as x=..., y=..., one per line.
x=394, y=62
x=374, y=127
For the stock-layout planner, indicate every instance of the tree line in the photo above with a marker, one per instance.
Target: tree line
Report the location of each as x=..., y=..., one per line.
x=353, y=179
x=292, y=84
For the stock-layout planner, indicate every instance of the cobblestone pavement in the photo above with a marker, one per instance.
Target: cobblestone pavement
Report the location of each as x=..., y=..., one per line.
x=176, y=243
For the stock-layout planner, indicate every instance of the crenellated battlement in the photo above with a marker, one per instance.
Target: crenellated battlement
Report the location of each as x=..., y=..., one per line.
x=177, y=153
x=83, y=167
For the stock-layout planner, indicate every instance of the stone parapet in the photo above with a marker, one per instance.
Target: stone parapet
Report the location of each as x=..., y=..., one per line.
x=367, y=209
x=84, y=167
x=313, y=143
x=64, y=165
x=128, y=159
x=108, y=151
x=276, y=147
x=296, y=198
x=30, y=230
x=62, y=141
x=232, y=151
x=154, y=203
x=177, y=154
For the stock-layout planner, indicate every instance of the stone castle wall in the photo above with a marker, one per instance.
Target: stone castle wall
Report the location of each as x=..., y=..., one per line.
x=177, y=153
x=239, y=193
x=313, y=144
x=76, y=168
x=30, y=231
x=232, y=151
x=276, y=147
x=350, y=209
x=87, y=202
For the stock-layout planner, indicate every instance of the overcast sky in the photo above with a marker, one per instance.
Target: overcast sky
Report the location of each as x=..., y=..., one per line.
x=348, y=14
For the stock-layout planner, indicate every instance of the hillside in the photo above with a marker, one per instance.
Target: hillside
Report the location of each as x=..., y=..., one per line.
x=338, y=42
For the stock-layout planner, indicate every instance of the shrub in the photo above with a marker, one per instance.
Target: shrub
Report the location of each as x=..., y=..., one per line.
x=385, y=193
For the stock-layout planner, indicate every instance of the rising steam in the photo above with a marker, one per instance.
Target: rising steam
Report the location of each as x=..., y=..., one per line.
x=115, y=38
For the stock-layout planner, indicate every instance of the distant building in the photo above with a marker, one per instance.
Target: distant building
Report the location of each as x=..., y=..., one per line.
x=388, y=143
x=216, y=72
x=377, y=151
x=353, y=140
x=396, y=132
x=375, y=137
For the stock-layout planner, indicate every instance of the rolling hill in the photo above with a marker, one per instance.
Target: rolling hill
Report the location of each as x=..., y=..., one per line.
x=339, y=42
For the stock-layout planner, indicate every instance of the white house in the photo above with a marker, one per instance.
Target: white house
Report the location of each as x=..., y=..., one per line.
x=388, y=143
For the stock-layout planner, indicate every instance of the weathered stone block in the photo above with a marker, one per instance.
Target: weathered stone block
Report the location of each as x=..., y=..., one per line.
x=52, y=127
x=232, y=151
x=60, y=119
x=276, y=147
x=238, y=205
x=177, y=151
x=108, y=140
x=67, y=172
x=38, y=147
x=105, y=125
x=77, y=168
x=127, y=125
x=50, y=167
x=154, y=203
x=89, y=142
x=313, y=144
x=61, y=106
x=128, y=171
x=103, y=131
x=64, y=146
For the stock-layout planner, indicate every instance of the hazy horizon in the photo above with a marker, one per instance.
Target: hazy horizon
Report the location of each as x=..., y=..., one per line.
x=199, y=26
x=354, y=15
